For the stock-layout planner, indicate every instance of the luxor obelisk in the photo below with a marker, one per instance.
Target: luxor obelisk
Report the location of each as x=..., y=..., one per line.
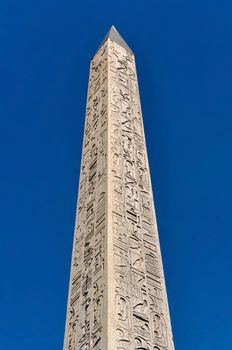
x=117, y=296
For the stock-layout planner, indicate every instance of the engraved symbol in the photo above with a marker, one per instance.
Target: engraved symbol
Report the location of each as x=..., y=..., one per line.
x=141, y=343
x=122, y=310
x=159, y=329
x=97, y=312
x=122, y=340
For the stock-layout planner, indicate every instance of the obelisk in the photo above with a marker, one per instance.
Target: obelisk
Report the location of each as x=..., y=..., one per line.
x=117, y=296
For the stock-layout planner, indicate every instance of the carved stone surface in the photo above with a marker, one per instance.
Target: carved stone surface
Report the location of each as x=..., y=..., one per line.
x=117, y=296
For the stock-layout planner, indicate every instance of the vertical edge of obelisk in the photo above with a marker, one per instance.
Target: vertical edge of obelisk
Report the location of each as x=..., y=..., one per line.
x=76, y=219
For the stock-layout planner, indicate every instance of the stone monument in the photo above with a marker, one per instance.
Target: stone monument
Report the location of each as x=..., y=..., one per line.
x=117, y=296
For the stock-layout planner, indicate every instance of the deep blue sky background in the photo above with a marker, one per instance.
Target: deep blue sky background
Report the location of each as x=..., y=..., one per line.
x=184, y=60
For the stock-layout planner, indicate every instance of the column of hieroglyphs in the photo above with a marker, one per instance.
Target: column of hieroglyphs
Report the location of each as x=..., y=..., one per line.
x=117, y=296
x=87, y=290
x=136, y=286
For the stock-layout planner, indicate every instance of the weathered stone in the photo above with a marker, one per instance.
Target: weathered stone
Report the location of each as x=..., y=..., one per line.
x=117, y=297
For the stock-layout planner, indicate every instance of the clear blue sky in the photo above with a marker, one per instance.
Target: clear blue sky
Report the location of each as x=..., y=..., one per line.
x=184, y=60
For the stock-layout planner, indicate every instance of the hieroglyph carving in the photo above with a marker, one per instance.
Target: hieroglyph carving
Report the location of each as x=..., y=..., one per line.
x=137, y=289
x=117, y=297
x=87, y=302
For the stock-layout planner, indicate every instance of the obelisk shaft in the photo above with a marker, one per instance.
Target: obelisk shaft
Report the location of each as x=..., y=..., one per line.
x=117, y=295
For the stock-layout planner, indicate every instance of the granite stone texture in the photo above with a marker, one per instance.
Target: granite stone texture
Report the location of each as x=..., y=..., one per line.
x=117, y=296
